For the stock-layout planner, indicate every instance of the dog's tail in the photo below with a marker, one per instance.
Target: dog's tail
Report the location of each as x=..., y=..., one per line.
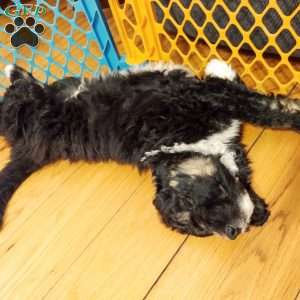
x=11, y=177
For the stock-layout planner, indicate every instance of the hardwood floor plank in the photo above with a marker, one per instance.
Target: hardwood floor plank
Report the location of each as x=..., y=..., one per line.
x=72, y=217
x=32, y=193
x=123, y=260
x=250, y=134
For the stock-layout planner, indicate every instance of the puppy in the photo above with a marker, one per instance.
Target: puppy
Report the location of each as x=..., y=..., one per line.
x=157, y=116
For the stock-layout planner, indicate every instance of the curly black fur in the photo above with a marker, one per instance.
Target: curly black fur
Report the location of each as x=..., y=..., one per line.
x=125, y=115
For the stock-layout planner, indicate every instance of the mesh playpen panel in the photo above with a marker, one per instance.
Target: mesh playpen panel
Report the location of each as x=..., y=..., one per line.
x=260, y=38
x=75, y=41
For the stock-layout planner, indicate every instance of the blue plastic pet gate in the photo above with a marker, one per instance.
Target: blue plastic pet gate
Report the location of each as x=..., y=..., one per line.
x=73, y=39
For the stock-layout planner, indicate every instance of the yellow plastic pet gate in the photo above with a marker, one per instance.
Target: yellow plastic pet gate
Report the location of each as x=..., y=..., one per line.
x=260, y=38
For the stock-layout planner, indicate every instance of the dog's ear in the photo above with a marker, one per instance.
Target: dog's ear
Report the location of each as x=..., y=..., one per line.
x=160, y=174
x=171, y=213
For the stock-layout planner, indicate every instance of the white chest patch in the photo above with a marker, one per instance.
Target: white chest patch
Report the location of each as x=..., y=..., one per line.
x=216, y=144
x=197, y=167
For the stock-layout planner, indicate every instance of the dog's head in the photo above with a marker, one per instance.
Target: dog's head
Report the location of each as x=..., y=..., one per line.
x=198, y=195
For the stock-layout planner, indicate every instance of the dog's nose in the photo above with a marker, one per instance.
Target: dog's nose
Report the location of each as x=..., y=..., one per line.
x=232, y=232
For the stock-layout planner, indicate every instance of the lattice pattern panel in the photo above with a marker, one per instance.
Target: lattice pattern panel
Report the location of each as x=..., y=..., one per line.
x=260, y=38
x=75, y=39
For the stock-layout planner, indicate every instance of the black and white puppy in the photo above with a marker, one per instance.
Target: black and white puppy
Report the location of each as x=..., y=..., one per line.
x=157, y=116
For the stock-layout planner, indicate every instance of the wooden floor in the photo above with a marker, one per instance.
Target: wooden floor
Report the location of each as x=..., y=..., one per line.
x=90, y=231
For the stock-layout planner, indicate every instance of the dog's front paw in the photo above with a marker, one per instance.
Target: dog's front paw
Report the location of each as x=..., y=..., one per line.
x=260, y=215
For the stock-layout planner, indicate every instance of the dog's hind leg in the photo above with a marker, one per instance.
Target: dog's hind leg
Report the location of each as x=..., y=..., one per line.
x=233, y=98
x=11, y=177
x=271, y=111
x=235, y=101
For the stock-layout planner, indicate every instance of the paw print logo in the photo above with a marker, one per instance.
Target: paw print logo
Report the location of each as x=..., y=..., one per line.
x=24, y=33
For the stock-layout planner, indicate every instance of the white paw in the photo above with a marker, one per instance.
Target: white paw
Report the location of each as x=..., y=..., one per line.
x=8, y=70
x=220, y=69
